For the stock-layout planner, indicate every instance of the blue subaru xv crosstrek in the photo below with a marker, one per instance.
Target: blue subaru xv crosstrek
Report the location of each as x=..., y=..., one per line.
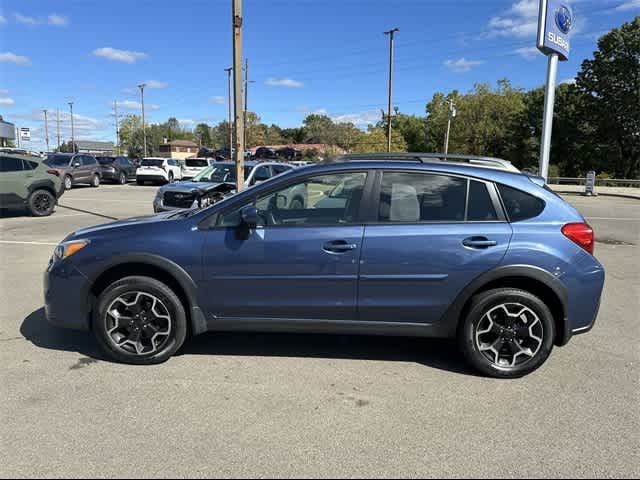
x=409, y=245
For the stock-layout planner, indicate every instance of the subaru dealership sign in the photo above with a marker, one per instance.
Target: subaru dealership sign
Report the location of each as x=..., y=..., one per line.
x=554, y=25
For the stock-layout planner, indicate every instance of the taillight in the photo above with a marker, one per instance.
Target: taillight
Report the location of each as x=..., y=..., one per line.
x=580, y=233
x=54, y=172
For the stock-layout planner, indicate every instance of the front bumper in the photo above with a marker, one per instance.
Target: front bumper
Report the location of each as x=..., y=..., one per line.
x=66, y=298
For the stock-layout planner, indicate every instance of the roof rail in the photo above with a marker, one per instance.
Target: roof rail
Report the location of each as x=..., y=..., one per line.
x=478, y=161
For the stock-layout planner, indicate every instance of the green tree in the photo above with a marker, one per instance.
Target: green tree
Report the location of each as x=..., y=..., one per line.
x=375, y=141
x=202, y=132
x=610, y=88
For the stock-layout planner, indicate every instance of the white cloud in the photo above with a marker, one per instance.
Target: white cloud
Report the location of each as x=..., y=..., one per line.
x=568, y=81
x=3, y=19
x=284, y=82
x=26, y=20
x=4, y=91
x=529, y=53
x=521, y=20
x=126, y=56
x=85, y=127
x=628, y=5
x=58, y=20
x=462, y=65
x=9, y=57
x=132, y=105
x=308, y=110
x=360, y=119
x=155, y=84
x=6, y=101
x=186, y=122
x=218, y=99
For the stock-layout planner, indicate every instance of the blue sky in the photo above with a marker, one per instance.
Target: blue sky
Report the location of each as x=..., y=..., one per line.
x=327, y=56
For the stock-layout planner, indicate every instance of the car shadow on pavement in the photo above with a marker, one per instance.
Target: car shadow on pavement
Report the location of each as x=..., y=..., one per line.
x=433, y=353
x=41, y=333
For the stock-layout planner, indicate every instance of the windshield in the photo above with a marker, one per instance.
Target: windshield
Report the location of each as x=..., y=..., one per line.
x=196, y=162
x=150, y=162
x=58, y=160
x=105, y=160
x=222, y=172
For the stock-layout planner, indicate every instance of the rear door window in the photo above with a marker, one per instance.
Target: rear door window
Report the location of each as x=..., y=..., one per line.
x=10, y=164
x=520, y=205
x=481, y=207
x=421, y=197
x=88, y=161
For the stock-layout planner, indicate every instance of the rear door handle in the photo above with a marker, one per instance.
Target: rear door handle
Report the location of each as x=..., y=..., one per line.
x=339, y=246
x=479, y=242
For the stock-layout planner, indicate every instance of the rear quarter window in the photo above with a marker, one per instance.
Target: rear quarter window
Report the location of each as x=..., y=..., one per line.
x=520, y=205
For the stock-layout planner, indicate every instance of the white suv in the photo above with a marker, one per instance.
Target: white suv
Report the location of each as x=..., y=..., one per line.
x=155, y=169
x=193, y=166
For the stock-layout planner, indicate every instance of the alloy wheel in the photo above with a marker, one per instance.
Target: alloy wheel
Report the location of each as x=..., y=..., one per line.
x=138, y=323
x=42, y=203
x=509, y=335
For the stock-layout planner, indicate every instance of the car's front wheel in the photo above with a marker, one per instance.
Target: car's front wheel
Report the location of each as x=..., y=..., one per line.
x=68, y=182
x=507, y=333
x=95, y=181
x=139, y=320
x=122, y=178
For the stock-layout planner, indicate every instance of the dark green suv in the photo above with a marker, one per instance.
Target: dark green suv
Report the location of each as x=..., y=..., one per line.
x=25, y=181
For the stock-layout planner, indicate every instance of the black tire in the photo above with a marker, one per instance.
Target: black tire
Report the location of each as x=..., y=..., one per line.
x=68, y=182
x=95, y=181
x=122, y=178
x=168, y=299
x=469, y=333
x=41, y=203
x=170, y=177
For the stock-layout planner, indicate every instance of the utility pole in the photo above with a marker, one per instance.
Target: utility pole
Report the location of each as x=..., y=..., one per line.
x=391, y=34
x=73, y=135
x=144, y=131
x=237, y=92
x=229, y=70
x=115, y=111
x=451, y=114
x=58, y=126
x=46, y=129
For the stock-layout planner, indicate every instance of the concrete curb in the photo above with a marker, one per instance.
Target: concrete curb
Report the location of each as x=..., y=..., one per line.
x=600, y=194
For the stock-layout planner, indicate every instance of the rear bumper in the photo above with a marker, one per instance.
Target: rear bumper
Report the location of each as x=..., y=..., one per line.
x=151, y=178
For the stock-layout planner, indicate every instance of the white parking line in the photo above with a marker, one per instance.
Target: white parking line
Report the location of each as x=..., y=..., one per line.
x=16, y=242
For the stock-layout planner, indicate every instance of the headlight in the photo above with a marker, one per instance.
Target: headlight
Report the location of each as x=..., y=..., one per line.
x=66, y=249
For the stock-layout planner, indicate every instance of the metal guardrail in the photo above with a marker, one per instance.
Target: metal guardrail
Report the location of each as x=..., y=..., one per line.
x=600, y=182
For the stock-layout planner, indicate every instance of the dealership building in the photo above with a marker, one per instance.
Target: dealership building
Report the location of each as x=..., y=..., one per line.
x=7, y=133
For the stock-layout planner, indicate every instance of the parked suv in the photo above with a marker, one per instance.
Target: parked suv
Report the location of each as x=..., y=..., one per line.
x=194, y=166
x=117, y=169
x=75, y=168
x=27, y=182
x=212, y=184
x=163, y=170
x=385, y=245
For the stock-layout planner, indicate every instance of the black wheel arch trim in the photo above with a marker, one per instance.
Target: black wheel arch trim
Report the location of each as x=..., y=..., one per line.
x=181, y=276
x=452, y=315
x=43, y=184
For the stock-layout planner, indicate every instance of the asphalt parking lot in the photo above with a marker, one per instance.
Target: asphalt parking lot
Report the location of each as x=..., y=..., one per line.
x=310, y=406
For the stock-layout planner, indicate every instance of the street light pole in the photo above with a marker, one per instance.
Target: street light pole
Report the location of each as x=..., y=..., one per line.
x=451, y=115
x=73, y=134
x=115, y=111
x=246, y=98
x=46, y=129
x=144, y=132
x=391, y=34
x=58, y=126
x=229, y=70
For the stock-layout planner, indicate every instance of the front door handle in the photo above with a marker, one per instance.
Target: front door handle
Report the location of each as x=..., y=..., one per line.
x=479, y=242
x=339, y=246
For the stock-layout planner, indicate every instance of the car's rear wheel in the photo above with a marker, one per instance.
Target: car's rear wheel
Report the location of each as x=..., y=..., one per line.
x=41, y=203
x=95, y=181
x=139, y=320
x=122, y=179
x=507, y=333
x=68, y=182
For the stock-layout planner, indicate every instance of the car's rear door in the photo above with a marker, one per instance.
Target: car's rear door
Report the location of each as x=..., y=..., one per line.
x=432, y=234
x=13, y=181
x=299, y=264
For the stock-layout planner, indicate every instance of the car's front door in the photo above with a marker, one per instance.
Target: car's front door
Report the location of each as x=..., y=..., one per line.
x=433, y=235
x=297, y=264
x=13, y=181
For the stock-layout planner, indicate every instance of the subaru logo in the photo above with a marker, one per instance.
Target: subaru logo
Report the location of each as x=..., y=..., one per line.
x=564, y=19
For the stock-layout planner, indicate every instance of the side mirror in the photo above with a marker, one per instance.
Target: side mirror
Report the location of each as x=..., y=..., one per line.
x=249, y=217
x=76, y=164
